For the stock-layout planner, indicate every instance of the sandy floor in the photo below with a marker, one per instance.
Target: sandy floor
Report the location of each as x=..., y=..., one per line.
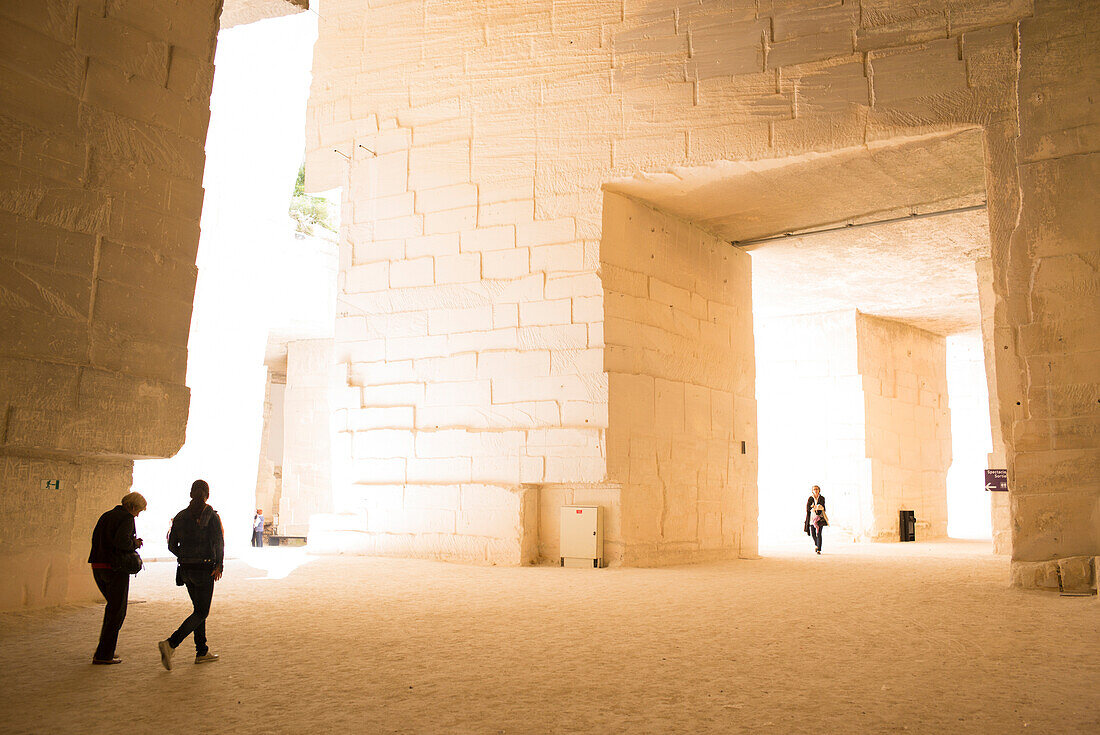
x=868, y=639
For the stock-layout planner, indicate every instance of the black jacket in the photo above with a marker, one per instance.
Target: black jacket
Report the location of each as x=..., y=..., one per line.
x=197, y=541
x=114, y=535
x=810, y=504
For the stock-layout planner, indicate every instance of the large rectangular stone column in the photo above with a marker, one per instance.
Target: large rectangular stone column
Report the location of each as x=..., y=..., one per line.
x=904, y=372
x=270, y=465
x=307, y=435
x=681, y=404
x=1054, y=305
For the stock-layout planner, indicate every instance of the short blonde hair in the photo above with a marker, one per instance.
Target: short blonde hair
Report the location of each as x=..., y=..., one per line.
x=134, y=501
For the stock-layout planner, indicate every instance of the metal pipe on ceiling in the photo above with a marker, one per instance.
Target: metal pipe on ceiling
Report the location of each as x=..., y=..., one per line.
x=852, y=226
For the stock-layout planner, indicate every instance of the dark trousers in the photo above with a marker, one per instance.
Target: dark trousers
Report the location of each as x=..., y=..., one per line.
x=258, y=538
x=200, y=587
x=816, y=533
x=115, y=587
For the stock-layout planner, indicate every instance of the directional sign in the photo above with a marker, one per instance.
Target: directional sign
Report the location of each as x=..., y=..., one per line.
x=996, y=480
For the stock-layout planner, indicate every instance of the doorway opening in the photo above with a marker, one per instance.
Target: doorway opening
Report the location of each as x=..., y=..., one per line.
x=260, y=284
x=871, y=380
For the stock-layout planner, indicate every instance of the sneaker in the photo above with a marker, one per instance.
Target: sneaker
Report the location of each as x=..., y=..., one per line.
x=166, y=652
x=106, y=662
x=206, y=658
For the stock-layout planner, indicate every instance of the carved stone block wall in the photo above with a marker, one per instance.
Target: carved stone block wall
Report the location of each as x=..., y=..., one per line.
x=105, y=107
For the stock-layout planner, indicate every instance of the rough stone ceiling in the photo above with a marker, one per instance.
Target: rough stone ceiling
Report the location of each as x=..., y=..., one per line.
x=745, y=200
x=920, y=272
x=239, y=12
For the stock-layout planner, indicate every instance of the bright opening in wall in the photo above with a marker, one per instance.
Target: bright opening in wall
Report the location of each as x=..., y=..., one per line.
x=253, y=274
x=870, y=369
x=871, y=377
x=867, y=382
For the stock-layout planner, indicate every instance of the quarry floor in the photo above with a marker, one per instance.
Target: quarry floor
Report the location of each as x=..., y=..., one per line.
x=924, y=637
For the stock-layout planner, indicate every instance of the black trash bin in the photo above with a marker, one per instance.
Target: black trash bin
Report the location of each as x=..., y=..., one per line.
x=907, y=524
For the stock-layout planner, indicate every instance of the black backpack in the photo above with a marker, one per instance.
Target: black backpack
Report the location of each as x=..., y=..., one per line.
x=191, y=538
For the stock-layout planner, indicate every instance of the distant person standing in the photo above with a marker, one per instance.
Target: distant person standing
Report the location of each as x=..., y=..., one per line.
x=816, y=519
x=198, y=542
x=113, y=559
x=258, y=528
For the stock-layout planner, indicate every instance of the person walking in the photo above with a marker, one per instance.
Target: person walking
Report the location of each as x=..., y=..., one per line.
x=198, y=542
x=114, y=558
x=816, y=519
x=258, y=528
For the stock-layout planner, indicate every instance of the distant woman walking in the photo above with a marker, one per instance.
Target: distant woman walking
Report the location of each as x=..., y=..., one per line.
x=198, y=542
x=114, y=558
x=816, y=519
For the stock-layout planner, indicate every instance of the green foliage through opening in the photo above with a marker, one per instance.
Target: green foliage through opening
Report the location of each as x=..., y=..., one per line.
x=309, y=211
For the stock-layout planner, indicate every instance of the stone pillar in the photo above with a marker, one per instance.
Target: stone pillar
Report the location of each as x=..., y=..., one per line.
x=681, y=379
x=1055, y=457
x=904, y=372
x=269, y=470
x=474, y=189
x=307, y=435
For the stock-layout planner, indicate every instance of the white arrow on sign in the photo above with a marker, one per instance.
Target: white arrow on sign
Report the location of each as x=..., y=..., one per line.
x=991, y=487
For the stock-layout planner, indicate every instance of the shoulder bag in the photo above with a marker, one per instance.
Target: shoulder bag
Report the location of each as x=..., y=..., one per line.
x=128, y=561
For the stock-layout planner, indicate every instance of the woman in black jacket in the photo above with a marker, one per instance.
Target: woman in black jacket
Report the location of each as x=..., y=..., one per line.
x=198, y=542
x=114, y=536
x=816, y=520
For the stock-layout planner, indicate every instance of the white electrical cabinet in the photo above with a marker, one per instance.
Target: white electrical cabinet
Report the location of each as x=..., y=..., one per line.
x=582, y=536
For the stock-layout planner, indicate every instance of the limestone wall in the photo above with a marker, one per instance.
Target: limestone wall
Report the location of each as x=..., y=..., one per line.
x=509, y=116
x=904, y=371
x=498, y=122
x=812, y=423
x=681, y=377
x=105, y=107
x=479, y=141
